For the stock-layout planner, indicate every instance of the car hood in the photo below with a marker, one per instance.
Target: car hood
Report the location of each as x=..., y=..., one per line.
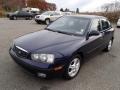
x=44, y=39
x=43, y=15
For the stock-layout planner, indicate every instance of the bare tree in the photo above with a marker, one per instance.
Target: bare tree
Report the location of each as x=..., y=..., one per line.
x=115, y=6
x=61, y=10
x=77, y=10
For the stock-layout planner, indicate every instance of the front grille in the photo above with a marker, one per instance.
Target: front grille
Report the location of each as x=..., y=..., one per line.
x=20, y=52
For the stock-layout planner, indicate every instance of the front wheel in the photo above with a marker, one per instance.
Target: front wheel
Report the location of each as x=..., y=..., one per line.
x=13, y=18
x=47, y=21
x=73, y=68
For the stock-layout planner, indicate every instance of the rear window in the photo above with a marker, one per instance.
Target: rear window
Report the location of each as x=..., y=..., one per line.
x=105, y=24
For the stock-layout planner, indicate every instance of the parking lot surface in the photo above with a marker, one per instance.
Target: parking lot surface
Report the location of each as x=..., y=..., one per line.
x=99, y=72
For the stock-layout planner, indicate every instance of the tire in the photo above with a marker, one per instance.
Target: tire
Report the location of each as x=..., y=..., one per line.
x=14, y=18
x=26, y=18
x=30, y=18
x=10, y=18
x=38, y=22
x=109, y=46
x=118, y=26
x=73, y=68
x=47, y=21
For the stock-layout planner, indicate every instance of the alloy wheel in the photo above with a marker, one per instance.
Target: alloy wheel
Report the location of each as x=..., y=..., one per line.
x=110, y=45
x=74, y=67
x=47, y=21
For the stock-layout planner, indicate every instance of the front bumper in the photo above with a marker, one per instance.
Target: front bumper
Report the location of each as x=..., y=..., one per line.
x=118, y=24
x=36, y=67
x=39, y=19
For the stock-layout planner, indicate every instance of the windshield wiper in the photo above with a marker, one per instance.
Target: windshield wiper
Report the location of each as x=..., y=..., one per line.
x=59, y=31
x=50, y=29
x=65, y=32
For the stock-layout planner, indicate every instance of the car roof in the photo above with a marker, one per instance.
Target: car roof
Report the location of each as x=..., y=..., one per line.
x=89, y=16
x=54, y=11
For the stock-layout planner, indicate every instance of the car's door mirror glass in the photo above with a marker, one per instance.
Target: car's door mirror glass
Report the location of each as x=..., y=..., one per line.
x=94, y=33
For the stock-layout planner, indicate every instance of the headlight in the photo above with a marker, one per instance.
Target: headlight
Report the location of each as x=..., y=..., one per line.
x=48, y=58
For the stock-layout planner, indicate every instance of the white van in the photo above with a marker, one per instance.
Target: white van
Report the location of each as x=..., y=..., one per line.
x=34, y=11
x=118, y=23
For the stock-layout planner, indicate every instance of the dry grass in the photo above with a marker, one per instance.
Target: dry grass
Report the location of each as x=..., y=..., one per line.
x=2, y=13
x=112, y=16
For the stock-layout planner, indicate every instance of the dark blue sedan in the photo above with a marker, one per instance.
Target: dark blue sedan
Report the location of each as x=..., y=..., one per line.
x=61, y=48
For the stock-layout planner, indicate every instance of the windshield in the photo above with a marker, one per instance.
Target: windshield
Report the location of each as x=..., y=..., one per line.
x=71, y=25
x=47, y=13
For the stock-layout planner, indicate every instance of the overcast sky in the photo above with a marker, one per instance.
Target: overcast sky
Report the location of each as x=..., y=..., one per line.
x=83, y=5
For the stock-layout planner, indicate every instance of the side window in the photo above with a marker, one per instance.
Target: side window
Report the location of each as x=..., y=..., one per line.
x=105, y=24
x=96, y=25
x=52, y=14
x=21, y=12
x=56, y=13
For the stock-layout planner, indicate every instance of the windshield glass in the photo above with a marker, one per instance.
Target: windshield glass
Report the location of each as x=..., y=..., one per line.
x=71, y=25
x=47, y=13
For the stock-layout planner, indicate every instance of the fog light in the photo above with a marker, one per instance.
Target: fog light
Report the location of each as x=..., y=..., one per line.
x=41, y=75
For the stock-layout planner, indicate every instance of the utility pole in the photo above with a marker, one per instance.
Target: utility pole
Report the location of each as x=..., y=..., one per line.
x=26, y=4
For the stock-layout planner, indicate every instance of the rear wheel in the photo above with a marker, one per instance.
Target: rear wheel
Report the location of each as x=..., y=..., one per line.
x=109, y=46
x=118, y=26
x=73, y=68
x=13, y=18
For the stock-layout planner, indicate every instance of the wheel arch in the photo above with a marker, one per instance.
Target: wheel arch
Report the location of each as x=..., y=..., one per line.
x=79, y=53
x=47, y=18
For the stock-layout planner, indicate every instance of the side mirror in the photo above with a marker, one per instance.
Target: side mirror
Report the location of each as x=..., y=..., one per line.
x=93, y=33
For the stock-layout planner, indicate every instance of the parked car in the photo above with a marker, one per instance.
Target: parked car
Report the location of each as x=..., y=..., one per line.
x=118, y=23
x=61, y=48
x=34, y=11
x=67, y=13
x=48, y=17
x=20, y=14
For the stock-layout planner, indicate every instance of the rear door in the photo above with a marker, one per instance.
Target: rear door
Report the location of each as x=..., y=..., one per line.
x=107, y=31
x=22, y=14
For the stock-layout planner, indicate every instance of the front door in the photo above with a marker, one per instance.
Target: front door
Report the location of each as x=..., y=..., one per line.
x=94, y=42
